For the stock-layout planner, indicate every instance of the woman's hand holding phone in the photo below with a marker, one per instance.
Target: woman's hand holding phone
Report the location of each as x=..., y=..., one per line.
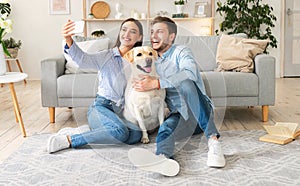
x=71, y=28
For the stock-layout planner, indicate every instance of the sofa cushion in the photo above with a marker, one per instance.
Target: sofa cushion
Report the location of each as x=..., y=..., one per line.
x=237, y=54
x=92, y=45
x=204, y=49
x=230, y=84
x=77, y=85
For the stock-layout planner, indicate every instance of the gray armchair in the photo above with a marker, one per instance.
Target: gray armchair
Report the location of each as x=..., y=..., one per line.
x=59, y=89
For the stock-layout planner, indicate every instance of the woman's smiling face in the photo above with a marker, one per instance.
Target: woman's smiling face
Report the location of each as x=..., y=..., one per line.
x=129, y=34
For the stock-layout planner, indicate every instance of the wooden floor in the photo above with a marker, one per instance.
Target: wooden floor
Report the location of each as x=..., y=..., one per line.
x=36, y=118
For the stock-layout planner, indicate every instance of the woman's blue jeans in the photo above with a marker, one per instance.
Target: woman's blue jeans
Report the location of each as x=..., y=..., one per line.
x=107, y=126
x=201, y=117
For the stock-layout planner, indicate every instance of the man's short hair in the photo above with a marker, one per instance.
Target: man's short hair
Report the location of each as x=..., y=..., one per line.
x=172, y=27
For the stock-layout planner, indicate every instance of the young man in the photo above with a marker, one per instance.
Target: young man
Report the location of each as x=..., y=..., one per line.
x=186, y=99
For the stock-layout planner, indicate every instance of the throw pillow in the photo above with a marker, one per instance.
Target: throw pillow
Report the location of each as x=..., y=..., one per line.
x=89, y=46
x=237, y=54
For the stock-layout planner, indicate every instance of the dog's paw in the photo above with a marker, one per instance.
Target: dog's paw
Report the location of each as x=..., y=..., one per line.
x=145, y=140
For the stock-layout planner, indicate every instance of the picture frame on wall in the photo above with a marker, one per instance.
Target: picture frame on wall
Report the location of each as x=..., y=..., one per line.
x=202, y=9
x=59, y=7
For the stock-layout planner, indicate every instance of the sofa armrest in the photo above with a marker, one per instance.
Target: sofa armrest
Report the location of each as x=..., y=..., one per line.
x=265, y=70
x=51, y=69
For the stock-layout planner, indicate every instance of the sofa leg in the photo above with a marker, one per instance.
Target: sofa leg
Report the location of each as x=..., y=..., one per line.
x=265, y=113
x=52, y=114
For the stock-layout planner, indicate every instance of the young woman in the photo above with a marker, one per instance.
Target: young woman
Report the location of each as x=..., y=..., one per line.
x=105, y=123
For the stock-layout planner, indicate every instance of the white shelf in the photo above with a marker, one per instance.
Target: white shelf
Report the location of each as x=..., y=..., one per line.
x=176, y=19
x=205, y=21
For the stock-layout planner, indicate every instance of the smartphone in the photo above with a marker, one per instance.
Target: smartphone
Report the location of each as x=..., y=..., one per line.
x=79, y=26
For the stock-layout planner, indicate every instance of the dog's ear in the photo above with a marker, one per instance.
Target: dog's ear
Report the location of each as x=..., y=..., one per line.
x=129, y=55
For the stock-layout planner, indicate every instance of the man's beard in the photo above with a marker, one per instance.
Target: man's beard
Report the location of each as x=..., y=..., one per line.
x=163, y=47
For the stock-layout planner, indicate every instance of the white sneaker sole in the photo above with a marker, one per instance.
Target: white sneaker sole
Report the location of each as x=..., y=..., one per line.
x=146, y=160
x=49, y=142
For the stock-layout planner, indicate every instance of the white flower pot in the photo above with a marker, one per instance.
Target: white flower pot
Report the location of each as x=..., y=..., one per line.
x=179, y=9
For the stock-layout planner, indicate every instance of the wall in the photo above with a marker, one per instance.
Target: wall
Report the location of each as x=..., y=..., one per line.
x=40, y=32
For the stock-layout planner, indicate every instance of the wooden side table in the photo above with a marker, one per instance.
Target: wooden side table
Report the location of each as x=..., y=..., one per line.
x=11, y=78
x=8, y=60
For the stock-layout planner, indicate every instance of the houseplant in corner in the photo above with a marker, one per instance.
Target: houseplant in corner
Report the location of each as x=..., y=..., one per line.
x=250, y=17
x=12, y=46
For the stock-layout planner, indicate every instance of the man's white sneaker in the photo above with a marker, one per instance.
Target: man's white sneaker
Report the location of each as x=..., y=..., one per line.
x=146, y=160
x=57, y=143
x=215, y=156
x=71, y=131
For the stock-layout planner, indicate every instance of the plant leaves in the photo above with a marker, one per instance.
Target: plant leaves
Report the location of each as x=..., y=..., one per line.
x=5, y=8
x=5, y=50
x=249, y=17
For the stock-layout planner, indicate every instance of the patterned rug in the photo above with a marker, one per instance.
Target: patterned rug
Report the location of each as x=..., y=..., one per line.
x=249, y=162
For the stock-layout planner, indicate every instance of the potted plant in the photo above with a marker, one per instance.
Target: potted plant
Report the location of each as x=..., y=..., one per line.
x=91, y=16
x=179, y=4
x=250, y=17
x=12, y=46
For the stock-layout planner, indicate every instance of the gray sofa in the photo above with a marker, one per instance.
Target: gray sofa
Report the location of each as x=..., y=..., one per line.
x=59, y=89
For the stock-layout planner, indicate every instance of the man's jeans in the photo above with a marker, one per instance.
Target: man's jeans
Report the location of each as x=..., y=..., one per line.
x=107, y=127
x=201, y=117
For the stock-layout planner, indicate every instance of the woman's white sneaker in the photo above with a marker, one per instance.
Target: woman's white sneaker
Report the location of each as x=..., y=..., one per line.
x=215, y=156
x=57, y=142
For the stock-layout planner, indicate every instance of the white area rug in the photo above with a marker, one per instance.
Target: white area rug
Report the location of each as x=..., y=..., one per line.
x=249, y=162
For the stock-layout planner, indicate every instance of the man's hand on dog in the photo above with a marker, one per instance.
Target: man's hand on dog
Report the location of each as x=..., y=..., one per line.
x=145, y=83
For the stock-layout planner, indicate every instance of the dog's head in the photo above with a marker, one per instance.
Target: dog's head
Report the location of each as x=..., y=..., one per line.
x=142, y=58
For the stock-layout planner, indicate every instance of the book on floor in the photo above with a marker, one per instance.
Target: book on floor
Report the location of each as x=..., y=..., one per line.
x=281, y=132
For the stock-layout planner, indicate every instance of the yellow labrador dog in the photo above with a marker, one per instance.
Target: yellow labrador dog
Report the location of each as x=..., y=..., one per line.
x=146, y=109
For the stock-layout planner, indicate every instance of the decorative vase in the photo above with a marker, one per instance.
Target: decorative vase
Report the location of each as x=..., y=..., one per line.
x=119, y=8
x=2, y=61
x=179, y=9
x=91, y=16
